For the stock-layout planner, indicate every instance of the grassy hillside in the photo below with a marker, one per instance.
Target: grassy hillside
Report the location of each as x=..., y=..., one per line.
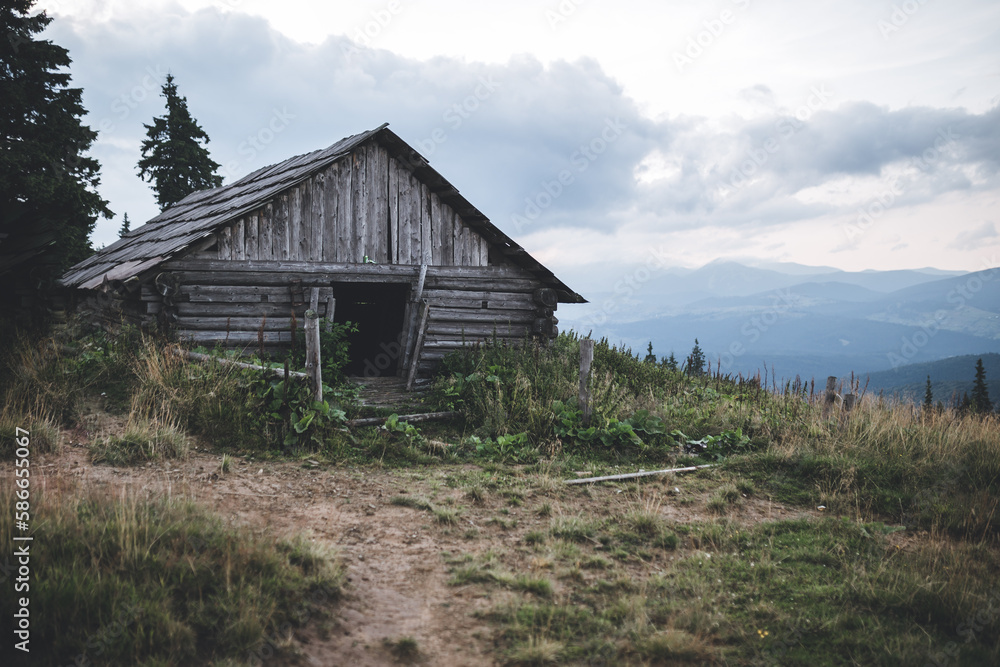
x=885, y=544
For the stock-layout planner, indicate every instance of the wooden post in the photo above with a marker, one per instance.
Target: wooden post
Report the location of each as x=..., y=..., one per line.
x=312, y=346
x=412, y=317
x=331, y=308
x=415, y=361
x=830, y=398
x=586, y=359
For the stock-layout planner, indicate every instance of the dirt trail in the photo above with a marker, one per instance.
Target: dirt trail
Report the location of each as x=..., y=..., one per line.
x=397, y=578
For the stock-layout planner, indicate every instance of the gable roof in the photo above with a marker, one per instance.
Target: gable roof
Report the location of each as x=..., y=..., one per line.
x=200, y=214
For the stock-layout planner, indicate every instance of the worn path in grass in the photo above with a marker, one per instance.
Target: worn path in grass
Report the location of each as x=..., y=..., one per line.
x=397, y=577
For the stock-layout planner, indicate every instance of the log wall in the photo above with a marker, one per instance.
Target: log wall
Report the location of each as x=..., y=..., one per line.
x=366, y=205
x=232, y=302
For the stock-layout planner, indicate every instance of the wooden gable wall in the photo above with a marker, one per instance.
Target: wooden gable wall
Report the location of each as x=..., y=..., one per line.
x=367, y=204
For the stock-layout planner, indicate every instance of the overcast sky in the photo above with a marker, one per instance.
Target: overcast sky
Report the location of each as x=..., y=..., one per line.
x=858, y=134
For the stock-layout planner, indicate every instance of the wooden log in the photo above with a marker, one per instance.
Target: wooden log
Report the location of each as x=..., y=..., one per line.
x=586, y=359
x=197, y=356
x=417, y=346
x=633, y=475
x=279, y=266
x=410, y=419
x=331, y=307
x=313, y=357
x=830, y=398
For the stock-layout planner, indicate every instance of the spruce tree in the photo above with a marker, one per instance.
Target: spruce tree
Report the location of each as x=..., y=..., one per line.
x=174, y=157
x=126, y=226
x=695, y=364
x=980, y=400
x=671, y=361
x=48, y=198
x=650, y=357
x=928, y=396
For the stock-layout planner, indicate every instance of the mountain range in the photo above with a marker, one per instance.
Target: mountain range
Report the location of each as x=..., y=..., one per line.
x=795, y=320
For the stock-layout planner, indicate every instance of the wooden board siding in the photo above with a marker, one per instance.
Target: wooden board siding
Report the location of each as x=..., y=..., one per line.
x=229, y=302
x=367, y=205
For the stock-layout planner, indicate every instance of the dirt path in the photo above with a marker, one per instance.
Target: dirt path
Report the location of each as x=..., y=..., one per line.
x=397, y=574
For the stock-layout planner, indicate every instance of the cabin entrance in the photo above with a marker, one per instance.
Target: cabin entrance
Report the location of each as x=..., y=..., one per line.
x=377, y=309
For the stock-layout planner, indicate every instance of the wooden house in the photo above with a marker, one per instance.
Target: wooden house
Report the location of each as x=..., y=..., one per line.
x=390, y=243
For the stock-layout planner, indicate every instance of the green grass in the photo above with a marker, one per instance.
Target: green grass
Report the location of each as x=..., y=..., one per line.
x=128, y=581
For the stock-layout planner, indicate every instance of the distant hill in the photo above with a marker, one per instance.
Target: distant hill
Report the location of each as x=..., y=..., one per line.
x=948, y=377
x=800, y=323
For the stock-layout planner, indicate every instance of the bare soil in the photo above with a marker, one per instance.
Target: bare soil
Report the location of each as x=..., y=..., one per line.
x=396, y=556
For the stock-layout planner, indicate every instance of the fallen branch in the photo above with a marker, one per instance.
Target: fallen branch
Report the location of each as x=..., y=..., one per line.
x=197, y=356
x=422, y=417
x=589, y=480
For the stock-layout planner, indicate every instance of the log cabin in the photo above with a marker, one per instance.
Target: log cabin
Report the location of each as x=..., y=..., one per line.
x=392, y=246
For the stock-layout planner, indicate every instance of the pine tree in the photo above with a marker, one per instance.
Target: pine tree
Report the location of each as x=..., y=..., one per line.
x=650, y=357
x=174, y=158
x=695, y=364
x=980, y=401
x=928, y=396
x=671, y=361
x=48, y=198
x=126, y=226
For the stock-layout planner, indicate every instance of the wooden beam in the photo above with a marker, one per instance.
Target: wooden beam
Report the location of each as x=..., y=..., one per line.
x=197, y=356
x=422, y=417
x=415, y=361
x=645, y=473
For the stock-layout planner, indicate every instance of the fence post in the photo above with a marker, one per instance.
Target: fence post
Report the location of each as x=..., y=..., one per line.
x=586, y=360
x=830, y=398
x=312, y=346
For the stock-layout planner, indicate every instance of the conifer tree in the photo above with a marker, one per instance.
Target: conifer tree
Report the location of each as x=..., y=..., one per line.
x=174, y=157
x=126, y=226
x=671, y=361
x=48, y=198
x=695, y=364
x=928, y=396
x=980, y=400
x=650, y=357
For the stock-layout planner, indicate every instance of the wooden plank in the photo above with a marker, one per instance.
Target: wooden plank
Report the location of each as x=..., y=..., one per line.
x=484, y=284
x=345, y=212
x=479, y=295
x=237, y=323
x=479, y=315
x=279, y=239
x=284, y=266
x=271, y=309
x=407, y=245
x=411, y=315
x=265, y=233
x=330, y=197
x=418, y=346
x=393, y=190
x=226, y=244
x=239, y=240
x=252, y=234
x=459, y=254
x=359, y=217
x=234, y=338
x=484, y=251
x=426, y=228
x=316, y=217
x=200, y=293
x=478, y=329
x=208, y=358
x=295, y=224
x=410, y=419
x=378, y=204
x=633, y=475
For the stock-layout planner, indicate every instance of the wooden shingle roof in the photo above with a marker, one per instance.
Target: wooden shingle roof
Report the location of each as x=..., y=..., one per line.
x=201, y=213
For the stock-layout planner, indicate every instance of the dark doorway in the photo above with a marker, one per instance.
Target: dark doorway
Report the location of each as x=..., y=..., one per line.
x=377, y=309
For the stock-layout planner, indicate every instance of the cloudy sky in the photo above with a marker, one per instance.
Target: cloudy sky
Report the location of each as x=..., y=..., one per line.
x=858, y=134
